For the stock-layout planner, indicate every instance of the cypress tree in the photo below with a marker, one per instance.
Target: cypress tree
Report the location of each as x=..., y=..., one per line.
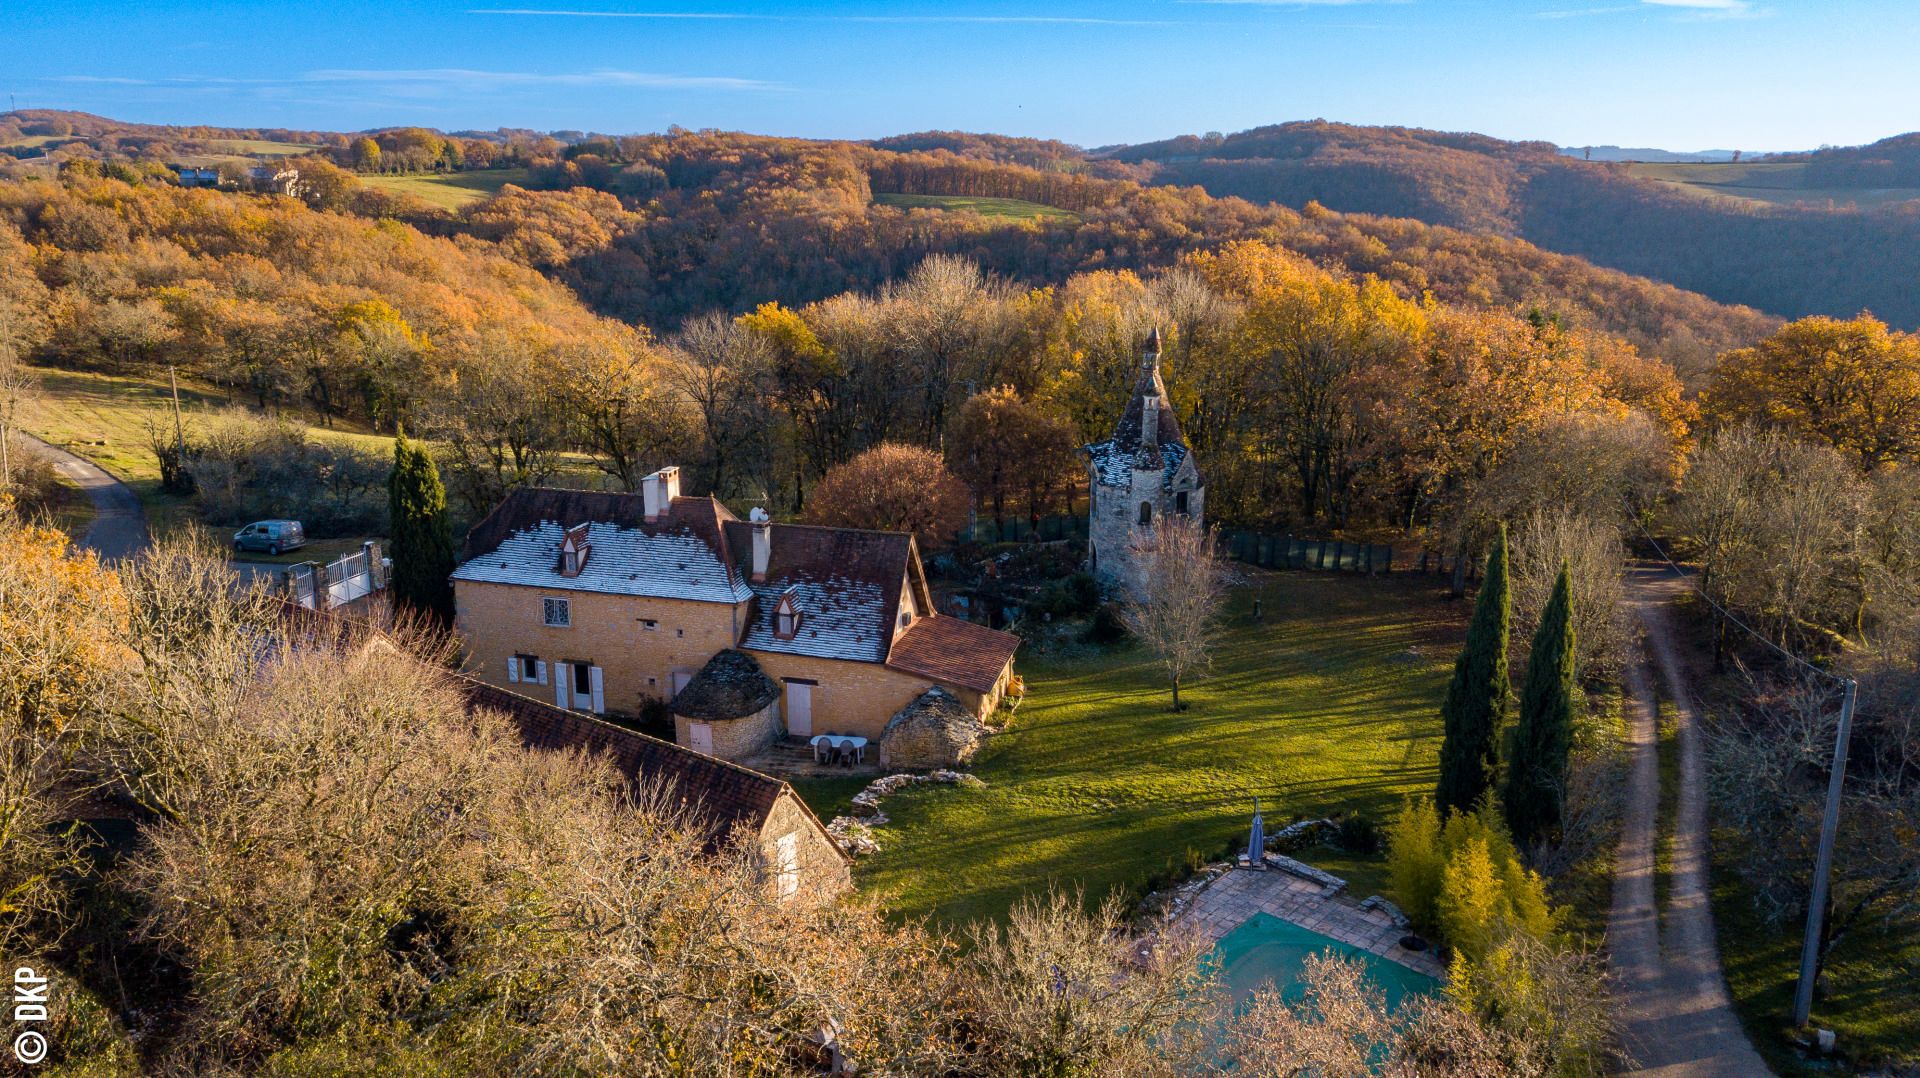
x=1537, y=768
x=1476, y=706
x=422, y=547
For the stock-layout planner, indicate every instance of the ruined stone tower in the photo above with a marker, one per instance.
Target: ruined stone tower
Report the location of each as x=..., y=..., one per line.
x=1142, y=473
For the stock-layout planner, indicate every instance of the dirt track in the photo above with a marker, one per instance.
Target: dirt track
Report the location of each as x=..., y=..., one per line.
x=1678, y=1019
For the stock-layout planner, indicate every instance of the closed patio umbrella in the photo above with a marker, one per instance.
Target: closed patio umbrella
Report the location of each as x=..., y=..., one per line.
x=1257, y=840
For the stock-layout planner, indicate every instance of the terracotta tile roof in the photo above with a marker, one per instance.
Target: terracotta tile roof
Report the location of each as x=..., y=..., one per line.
x=955, y=651
x=846, y=582
x=725, y=795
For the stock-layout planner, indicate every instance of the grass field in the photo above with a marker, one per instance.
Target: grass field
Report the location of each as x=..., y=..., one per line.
x=1331, y=705
x=1779, y=183
x=1871, y=985
x=254, y=147
x=1009, y=209
x=449, y=190
x=105, y=418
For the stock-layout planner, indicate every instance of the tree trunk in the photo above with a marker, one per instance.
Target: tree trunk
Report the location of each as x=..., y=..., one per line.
x=1176, y=692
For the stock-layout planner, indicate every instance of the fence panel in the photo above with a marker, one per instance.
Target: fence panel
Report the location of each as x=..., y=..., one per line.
x=1271, y=551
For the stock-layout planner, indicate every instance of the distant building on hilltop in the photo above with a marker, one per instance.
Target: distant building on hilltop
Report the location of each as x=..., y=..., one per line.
x=1145, y=471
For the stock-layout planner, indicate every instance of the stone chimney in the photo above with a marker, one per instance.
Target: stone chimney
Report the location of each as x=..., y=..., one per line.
x=762, y=543
x=658, y=491
x=1149, y=421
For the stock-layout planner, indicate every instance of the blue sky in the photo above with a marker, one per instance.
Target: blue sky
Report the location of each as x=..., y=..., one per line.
x=1679, y=74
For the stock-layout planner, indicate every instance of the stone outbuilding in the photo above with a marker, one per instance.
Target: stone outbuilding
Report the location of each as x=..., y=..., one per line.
x=733, y=699
x=935, y=730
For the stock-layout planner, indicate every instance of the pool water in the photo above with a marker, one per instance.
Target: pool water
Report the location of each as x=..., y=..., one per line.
x=1266, y=949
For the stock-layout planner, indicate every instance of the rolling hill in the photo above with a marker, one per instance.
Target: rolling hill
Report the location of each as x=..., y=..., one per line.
x=1830, y=232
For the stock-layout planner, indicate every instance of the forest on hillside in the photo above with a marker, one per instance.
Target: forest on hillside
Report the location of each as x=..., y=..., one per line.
x=1789, y=260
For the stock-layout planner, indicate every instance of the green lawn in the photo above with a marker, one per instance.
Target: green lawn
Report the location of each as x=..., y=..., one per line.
x=1872, y=983
x=1770, y=182
x=1011, y=209
x=1331, y=705
x=449, y=190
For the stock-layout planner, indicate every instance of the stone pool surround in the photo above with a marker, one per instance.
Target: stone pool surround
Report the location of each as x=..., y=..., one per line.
x=1240, y=893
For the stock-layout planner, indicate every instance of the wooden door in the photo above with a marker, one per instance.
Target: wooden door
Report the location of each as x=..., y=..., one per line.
x=800, y=708
x=701, y=735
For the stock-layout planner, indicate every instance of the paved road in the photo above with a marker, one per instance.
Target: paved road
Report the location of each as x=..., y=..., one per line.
x=1678, y=1019
x=119, y=528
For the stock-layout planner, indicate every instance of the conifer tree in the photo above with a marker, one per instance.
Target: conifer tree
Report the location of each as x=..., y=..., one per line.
x=1537, y=768
x=1476, y=705
x=422, y=547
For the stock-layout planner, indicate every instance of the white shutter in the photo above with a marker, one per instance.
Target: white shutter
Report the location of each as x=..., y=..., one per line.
x=599, y=691
x=540, y=672
x=560, y=679
x=513, y=668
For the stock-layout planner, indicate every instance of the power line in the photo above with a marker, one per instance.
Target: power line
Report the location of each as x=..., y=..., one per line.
x=1723, y=611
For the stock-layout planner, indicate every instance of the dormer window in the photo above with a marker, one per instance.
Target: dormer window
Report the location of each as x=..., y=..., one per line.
x=786, y=618
x=573, y=551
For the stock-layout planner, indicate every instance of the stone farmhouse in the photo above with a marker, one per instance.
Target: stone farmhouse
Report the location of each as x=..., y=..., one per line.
x=1144, y=471
x=610, y=603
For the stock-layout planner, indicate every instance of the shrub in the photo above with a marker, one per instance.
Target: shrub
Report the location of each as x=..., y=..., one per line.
x=1357, y=834
x=1415, y=861
x=1464, y=879
x=1106, y=627
x=246, y=469
x=1065, y=598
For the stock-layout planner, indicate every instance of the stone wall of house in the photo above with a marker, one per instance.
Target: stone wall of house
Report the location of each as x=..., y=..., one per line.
x=498, y=621
x=848, y=697
x=733, y=739
x=823, y=870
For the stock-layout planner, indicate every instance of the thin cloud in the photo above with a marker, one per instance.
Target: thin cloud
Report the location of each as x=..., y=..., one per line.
x=1066, y=20
x=416, y=81
x=468, y=77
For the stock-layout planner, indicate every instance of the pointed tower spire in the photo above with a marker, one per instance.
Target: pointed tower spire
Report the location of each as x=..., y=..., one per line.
x=1150, y=354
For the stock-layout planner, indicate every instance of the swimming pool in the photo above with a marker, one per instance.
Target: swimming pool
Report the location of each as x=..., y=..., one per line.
x=1266, y=949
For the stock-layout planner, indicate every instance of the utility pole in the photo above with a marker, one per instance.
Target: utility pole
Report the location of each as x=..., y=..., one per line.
x=1823, y=863
x=179, y=433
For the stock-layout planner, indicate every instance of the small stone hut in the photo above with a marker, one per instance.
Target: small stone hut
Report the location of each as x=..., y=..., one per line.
x=727, y=710
x=935, y=730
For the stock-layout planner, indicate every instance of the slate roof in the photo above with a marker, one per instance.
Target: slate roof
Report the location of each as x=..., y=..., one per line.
x=955, y=651
x=845, y=581
x=724, y=796
x=936, y=704
x=730, y=686
x=680, y=556
x=1116, y=459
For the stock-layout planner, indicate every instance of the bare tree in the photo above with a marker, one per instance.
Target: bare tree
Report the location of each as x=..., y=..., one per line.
x=1591, y=548
x=17, y=390
x=1176, y=611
